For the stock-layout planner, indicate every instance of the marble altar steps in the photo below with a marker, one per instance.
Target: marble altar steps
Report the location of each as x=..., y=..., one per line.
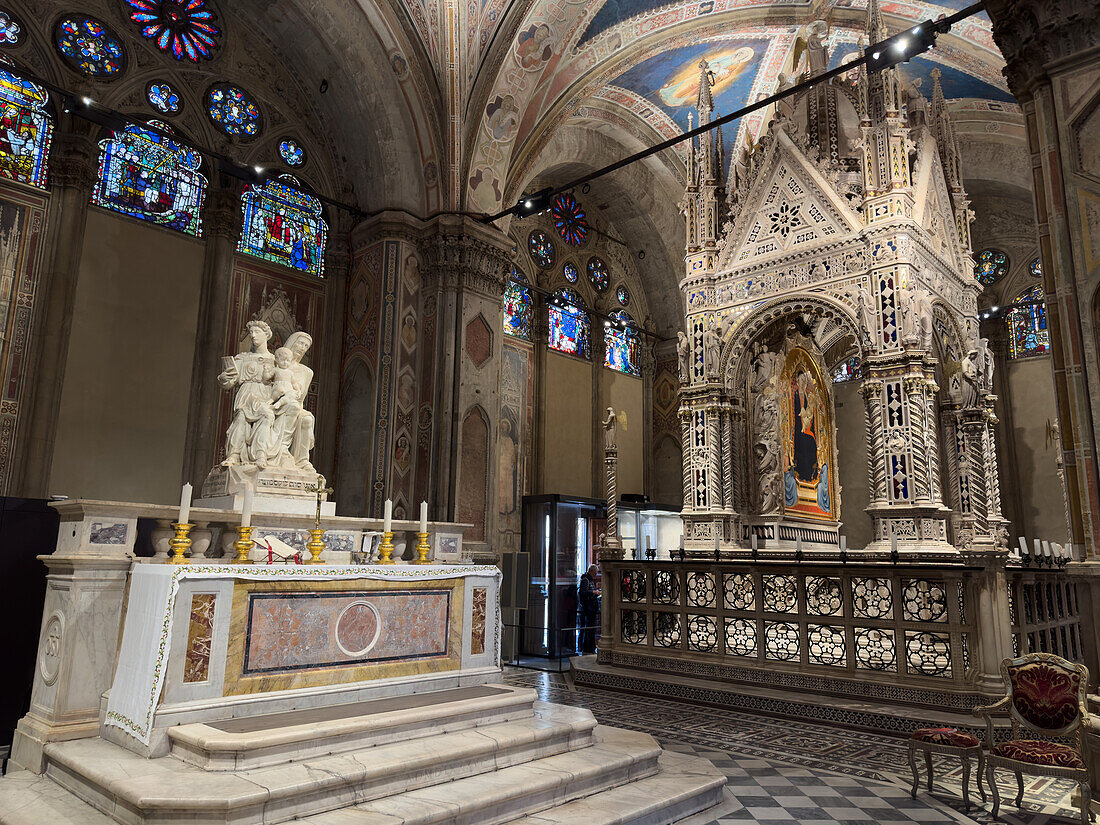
x=385, y=768
x=254, y=742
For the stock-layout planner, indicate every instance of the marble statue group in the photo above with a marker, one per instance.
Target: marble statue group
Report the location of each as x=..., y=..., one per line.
x=270, y=427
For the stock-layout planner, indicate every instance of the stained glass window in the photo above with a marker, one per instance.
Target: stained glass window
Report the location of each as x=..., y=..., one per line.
x=541, y=249
x=148, y=176
x=620, y=340
x=569, y=219
x=1027, y=325
x=10, y=30
x=233, y=110
x=570, y=328
x=284, y=225
x=570, y=273
x=89, y=46
x=163, y=98
x=183, y=28
x=597, y=274
x=623, y=296
x=1036, y=268
x=992, y=264
x=518, y=307
x=848, y=370
x=25, y=129
x=291, y=152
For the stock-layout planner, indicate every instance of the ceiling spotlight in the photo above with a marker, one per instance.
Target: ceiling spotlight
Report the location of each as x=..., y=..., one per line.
x=87, y=100
x=994, y=309
x=527, y=203
x=874, y=55
x=259, y=169
x=901, y=44
x=916, y=29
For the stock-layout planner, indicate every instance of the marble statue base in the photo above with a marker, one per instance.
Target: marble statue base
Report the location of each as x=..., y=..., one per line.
x=276, y=490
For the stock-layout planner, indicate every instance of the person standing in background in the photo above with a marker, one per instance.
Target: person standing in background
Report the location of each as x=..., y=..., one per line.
x=589, y=598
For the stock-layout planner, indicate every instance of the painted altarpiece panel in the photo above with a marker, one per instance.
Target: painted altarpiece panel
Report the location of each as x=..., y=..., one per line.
x=806, y=421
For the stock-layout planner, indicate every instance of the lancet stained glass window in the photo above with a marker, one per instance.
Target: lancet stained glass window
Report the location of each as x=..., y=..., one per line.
x=570, y=327
x=1027, y=325
x=597, y=274
x=148, y=176
x=89, y=46
x=991, y=266
x=569, y=219
x=284, y=225
x=620, y=340
x=541, y=249
x=25, y=129
x=847, y=370
x=518, y=307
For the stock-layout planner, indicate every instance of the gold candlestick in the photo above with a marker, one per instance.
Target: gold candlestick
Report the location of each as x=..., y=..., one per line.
x=422, y=549
x=385, y=549
x=243, y=545
x=315, y=545
x=180, y=543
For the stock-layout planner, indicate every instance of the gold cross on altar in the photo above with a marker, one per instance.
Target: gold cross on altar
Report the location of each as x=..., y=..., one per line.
x=321, y=490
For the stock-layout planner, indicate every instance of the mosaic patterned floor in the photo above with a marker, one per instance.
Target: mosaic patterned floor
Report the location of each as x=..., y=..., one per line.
x=785, y=771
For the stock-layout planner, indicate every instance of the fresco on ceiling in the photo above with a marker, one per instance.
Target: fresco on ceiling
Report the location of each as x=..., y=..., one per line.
x=956, y=84
x=671, y=80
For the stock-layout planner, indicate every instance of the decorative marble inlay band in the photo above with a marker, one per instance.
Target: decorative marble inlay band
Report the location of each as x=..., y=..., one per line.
x=196, y=660
x=298, y=631
x=477, y=623
x=108, y=533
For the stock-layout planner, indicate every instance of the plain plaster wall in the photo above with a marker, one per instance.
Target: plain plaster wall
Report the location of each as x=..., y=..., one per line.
x=851, y=429
x=567, y=425
x=123, y=416
x=626, y=394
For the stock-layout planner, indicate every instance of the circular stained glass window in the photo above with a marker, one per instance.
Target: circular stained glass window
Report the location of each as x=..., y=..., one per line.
x=570, y=273
x=233, y=110
x=991, y=266
x=291, y=152
x=569, y=220
x=1036, y=268
x=11, y=33
x=623, y=296
x=89, y=46
x=541, y=249
x=163, y=98
x=183, y=28
x=597, y=273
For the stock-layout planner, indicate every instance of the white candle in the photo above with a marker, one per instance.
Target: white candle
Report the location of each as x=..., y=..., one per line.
x=1023, y=546
x=681, y=542
x=423, y=517
x=387, y=518
x=246, y=509
x=893, y=542
x=1046, y=549
x=1057, y=550
x=1038, y=549
x=798, y=544
x=843, y=543
x=648, y=542
x=715, y=541
x=185, y=503
x=755, y=541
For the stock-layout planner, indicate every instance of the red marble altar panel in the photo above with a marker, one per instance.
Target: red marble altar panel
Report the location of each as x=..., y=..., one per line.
x=296, y=631
x=196, y=661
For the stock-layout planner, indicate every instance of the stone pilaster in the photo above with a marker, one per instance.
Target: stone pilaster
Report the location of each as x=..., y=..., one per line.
x=221, y=228
x=327, y=364
x=73, y=170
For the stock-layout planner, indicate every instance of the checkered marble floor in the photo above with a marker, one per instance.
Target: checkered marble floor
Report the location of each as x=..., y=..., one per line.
x=783, y=771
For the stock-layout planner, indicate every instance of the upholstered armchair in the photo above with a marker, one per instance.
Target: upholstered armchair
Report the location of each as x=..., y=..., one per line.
x=1046, y=696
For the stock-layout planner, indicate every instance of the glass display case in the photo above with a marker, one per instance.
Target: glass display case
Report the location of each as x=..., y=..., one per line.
x=560, y=534
x=644, y=526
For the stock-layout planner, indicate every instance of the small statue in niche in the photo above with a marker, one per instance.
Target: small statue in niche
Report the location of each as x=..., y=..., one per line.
x=683, y=351
x=609, y=429
x=711, y=346
x=985, y=364
x=763, y=366
x=867, y=320
x=971, y=372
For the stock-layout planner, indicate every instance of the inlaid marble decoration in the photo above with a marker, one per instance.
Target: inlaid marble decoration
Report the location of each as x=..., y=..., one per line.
x=298, y=631
x=477, y=622
x=108, y=532
x=196, y=661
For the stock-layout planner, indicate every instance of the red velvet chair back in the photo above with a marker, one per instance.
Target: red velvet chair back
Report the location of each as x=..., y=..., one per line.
x=1047, y=692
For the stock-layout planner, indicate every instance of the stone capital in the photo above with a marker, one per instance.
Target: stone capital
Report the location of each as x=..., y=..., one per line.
x=221, y=213
x=1034, y=34
x=74, y=161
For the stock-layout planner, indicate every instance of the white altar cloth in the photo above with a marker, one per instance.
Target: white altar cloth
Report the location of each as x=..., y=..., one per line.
x=143, y=655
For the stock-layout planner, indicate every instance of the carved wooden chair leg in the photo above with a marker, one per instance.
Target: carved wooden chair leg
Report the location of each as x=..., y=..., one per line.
x=1020, y=784
x=966, y=780
x=913, y=768
x=1086, y=803
x=928, y=764
x=981, y=773
x=992, y=777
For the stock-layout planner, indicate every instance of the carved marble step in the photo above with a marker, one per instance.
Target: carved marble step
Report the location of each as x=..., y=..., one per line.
x=683, y=786
x=29, y=799
x=619, y=758
x=258, y=741
x=139, y=791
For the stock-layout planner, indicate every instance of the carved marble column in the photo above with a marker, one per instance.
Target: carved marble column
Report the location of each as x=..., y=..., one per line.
x=221, y=228
x=1050, y=51
x=73, y=170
